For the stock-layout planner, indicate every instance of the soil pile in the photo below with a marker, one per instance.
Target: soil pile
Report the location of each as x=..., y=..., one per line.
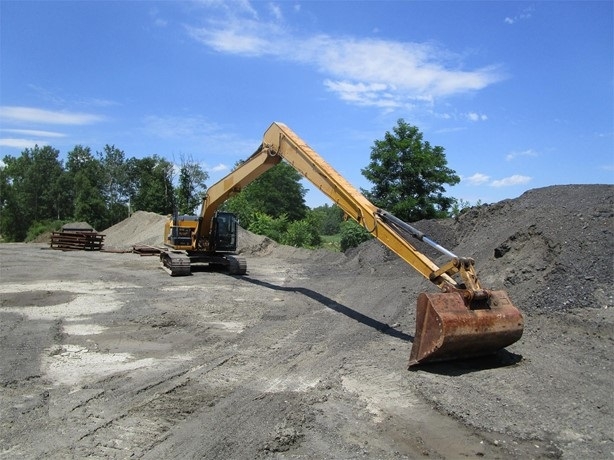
x=147, y=228
x=142, y=227
x=78, y=227
x=551, y=248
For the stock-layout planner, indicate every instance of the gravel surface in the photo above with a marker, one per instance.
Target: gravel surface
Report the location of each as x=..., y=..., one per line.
x=103, y=355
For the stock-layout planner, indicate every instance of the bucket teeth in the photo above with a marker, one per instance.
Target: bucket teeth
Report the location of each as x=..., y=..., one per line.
x=446, y=328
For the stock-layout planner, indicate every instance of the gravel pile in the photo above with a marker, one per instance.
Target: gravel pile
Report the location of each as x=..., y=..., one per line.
x=551, y=248
x=142, y=227
x=147, y=228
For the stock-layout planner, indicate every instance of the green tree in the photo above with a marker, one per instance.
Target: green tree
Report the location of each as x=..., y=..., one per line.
x=42, y=187
x=303, y=233
x=86, y=185
x=273, y=227
x=409, y=175
x=33, y=190
x=191, y=188
x=243, y=208
x=330, y=218
x=151, y=184
x=352, y=234
x=13, y=220
x=277, y=192
x=116, y=184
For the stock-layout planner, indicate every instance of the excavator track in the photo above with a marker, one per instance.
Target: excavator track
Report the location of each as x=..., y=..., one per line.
x=178, y=263
x=175, y=263
x=237, y=265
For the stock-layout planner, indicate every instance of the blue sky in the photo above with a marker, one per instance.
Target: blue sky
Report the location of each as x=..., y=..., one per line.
x=520, y=94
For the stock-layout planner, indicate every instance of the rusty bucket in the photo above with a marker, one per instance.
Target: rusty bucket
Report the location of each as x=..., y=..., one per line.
x=447, y=328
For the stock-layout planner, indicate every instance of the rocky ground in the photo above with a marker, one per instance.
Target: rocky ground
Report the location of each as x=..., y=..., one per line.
x=103, y=355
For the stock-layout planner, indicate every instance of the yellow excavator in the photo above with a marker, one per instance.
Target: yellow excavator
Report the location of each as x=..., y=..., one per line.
x=463, y=320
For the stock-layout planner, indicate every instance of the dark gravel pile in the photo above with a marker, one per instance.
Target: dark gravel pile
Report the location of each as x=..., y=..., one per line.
x=551, y=249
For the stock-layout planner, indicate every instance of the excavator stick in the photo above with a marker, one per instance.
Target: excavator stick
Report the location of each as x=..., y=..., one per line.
x=448, y=327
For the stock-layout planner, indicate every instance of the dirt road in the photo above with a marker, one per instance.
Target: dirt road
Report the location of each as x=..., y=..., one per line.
x=105, y=356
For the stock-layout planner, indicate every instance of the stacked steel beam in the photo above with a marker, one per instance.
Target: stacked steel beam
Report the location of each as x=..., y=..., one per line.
x=78, y=241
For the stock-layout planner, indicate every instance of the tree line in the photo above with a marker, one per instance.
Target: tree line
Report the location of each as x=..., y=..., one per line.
x=38, y=188
x=100, y=188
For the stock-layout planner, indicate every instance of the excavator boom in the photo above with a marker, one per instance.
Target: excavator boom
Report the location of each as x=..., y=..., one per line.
x=463, y=320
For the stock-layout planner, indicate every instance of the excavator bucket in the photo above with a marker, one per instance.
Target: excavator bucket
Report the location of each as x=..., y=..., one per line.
x=447, y=328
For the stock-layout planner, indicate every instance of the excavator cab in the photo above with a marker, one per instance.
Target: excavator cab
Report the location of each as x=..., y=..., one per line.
x=225, y=225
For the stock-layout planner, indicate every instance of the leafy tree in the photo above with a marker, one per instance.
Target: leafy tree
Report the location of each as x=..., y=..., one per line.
x=243, y=208
x=277, y=192
x=409, y=175
x=299, y=233
x=13, y=221
x=151, y=184
x=273, y=227
x=85, y=175
x=330, y=218
x=303, y=233
x=116, y=184
x=352, y=234
x=32, y=191
x=41, y=182
x=191, y=186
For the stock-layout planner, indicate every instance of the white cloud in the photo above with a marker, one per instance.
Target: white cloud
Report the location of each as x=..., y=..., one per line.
x=34, y=132
x=203, y=136
x=232, y=40
x=154, y=13
x=374, y=94
x=525, y=14
x=484, y=179
x=477, y=179
x=35, y=115
x=472, y=116
x=516, y=179
x=218, y=168
x=276, y=11
x=19, y=143
x=524, y=153
x=373, y=72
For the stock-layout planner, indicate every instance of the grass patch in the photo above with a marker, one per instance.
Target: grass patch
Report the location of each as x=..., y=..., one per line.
x=331, y=242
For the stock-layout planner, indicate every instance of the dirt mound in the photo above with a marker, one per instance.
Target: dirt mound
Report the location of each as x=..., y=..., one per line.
x=551, y=248
x=78, y=227
x=251, y=244
x=142, y=227
x=147, y=228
